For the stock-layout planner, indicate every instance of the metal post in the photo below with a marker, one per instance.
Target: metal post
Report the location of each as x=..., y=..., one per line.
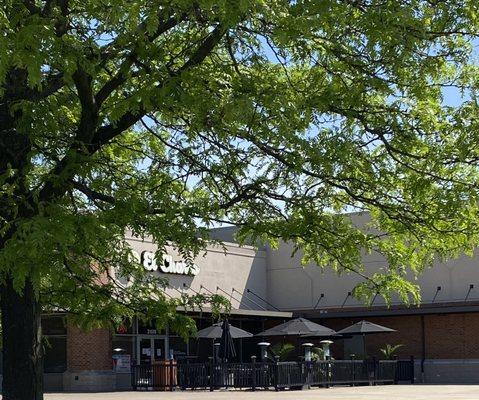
x=134, y=379
x=306, y=365
x=412, y=369
x=328, y=371
x=471, y=286
x=253, y=373
x=259, y=297
x=167, y=342
x=172, y=381
x=353, y=368
x=396, y=369
x=212, y=373
x=375, y=371
x=423, y=349
x=276, y=372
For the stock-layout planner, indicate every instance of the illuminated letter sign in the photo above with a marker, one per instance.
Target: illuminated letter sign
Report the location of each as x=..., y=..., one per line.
x=167, y=265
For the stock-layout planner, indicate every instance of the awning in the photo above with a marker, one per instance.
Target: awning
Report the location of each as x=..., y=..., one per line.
x=244, y=312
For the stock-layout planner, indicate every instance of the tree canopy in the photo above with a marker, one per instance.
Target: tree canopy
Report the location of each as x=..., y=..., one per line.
x=169, y=117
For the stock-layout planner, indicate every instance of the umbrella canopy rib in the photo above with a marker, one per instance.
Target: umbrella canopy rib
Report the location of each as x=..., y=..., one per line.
x=298, y=326
x=364, y=328
x=215, y=331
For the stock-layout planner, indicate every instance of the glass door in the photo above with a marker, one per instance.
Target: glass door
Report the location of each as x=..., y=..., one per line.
x=150, y=349
x=145, y=353
x=159, y=346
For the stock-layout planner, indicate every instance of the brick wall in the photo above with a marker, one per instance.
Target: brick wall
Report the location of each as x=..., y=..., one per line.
x=447, y=336
x=408, y=333
x=89, y=351
x=452, y=336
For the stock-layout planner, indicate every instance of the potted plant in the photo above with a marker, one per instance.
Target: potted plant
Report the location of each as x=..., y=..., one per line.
x=282, y=350
x=390, y=350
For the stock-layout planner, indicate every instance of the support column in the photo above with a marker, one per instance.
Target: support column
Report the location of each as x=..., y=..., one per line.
x=89, y=361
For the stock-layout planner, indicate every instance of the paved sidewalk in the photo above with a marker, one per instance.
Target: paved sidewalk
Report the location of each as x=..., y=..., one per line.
x=398, y=392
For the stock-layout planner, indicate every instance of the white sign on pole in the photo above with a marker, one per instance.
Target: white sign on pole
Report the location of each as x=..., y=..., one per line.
x=122, y=363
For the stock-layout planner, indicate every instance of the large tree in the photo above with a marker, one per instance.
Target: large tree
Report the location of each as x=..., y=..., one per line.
x=278, y=116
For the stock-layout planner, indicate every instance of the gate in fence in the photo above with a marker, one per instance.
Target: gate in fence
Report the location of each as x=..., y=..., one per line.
x=405, y=370
x=276, y=375
x=160, y=376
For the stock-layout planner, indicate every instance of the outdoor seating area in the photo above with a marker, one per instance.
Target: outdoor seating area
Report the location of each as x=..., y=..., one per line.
x=270, y=375
x=269, y=372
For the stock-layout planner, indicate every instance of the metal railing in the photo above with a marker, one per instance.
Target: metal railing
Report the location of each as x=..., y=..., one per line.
x=160, y=376
x=276, y=375
x=405, y=370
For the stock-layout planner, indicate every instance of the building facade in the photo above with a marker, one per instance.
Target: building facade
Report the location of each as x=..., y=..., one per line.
x=266, y=287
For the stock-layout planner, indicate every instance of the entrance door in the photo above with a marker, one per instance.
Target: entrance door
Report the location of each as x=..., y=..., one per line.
x=150, y=349
x=159, y=345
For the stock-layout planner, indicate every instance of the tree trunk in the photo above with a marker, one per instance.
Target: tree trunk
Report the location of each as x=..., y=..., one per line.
x=22, y=346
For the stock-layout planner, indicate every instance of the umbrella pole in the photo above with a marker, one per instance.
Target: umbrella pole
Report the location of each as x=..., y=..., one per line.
x=364, y=347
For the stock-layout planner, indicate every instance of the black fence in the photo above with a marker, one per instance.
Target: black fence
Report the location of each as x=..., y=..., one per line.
x=405, y=370
x=161, y=376
x=276, y=375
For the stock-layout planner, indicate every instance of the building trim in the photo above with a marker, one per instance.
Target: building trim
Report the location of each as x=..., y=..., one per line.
x=243, y=311
x=440, y=308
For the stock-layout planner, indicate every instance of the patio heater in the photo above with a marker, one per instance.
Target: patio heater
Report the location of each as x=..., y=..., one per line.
x=216, y=351
x=263, y=349
x=307, y=351
x=326, y=351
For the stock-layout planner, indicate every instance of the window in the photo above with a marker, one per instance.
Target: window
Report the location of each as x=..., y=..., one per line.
x=123, y=345
x=178, y=347
x=55, y=354
x=53, y=325
x=54, y=343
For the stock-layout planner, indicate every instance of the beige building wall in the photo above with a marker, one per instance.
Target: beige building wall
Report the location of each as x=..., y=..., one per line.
x=280, y=278
x=233, y=267
x=291, y=286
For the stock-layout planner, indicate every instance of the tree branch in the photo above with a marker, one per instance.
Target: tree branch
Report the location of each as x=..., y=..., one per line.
x=122, y=75
x=89, y=143
x=108, y=132
x=92, y=194
x=89, y=108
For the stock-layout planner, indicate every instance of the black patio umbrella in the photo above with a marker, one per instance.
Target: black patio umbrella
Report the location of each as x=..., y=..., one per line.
x=298, y=326
x=215, y=331
x=364, y=328
x=227, y=348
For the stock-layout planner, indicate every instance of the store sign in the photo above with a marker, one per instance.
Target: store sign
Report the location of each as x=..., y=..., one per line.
x=122, y=363
x=166, y=265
